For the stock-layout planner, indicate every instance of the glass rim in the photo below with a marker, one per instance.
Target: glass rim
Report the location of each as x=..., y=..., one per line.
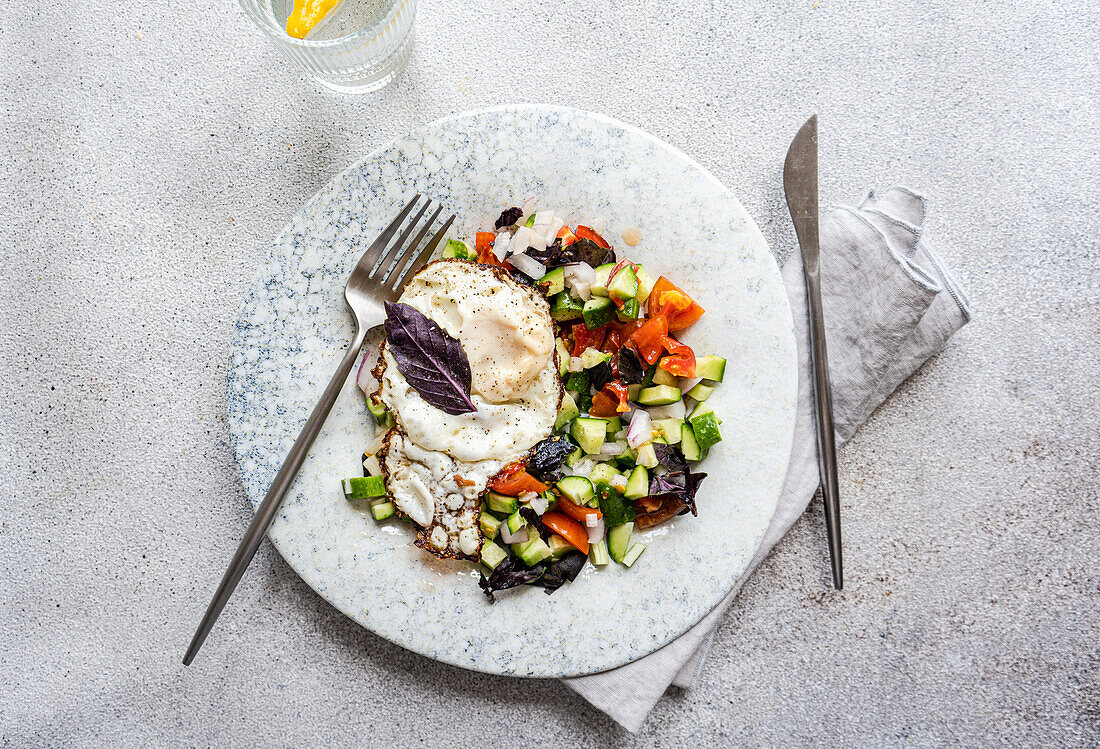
x=265, y=19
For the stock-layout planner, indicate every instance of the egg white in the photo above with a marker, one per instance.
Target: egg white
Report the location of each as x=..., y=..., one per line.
x=437, y=464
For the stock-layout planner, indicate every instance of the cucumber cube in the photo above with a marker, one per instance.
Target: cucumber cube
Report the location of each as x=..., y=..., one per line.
x=572, y=458
x=382, y=510
x=602, y=474
x=490, y=524
x=364, y=487
x=532, y=551
x=645, y=284
x=618, y=540
x=614, y=424
x=603, y=273
x=688, y=444
x=578, y=382
x=377, y=410
x=591, y=357
x=670, y=428
x=458, y=250
x=589, y=433
x=663, y=377
x=637, y=486
x=492, y=555
x=704, y=422
x=577, y=489
x=559, y=547
x=710, y=367
x=514, y=522
x=647, y=456
x=567, y=411
x=659, y=395
x=629, y=311
x=632, y=555
x=564, y=308
x=597, y=554
x=501, y=504
x=624, y=285
x=553, y=282
x=598, y=312
x=700, y=392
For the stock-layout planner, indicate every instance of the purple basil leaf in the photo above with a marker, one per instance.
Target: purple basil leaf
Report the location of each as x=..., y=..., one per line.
x=563, y=571
x=510, y=573
x=599, y=375
x=509, y=217
x=587, y=251
x=432, y=361
x=669, y=456
x=631, y=369
x=682, y=485
x=549, y=256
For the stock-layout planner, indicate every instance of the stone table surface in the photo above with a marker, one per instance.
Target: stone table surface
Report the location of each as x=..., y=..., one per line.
x=154, y=149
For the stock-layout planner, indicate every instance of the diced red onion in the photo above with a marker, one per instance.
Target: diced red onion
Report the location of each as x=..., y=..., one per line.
x=500, y=246
x=580, y=278
x=512, y=538
x=595, y=534
x=364, y=379
x=539, y=504
x=611, y=448
x=526, y=264
x=675, y=410
x=528, y=205
x=618, y=481
x=641, y=429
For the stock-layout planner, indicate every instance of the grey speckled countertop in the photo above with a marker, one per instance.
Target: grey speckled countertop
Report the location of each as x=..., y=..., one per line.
x=153, y=151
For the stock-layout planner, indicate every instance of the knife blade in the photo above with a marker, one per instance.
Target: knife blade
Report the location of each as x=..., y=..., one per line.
x=800, y=186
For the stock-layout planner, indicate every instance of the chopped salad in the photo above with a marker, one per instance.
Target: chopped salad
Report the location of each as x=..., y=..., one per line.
x=633, y=418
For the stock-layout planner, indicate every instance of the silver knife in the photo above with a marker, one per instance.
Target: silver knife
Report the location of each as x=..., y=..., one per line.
x=800, y=185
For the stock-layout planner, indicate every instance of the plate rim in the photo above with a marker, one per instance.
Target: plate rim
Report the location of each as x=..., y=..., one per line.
x=413, y=135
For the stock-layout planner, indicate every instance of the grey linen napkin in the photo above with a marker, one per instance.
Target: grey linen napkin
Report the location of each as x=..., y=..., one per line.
x=890, y=303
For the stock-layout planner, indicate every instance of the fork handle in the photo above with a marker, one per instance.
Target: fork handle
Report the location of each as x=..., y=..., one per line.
x=265, y=514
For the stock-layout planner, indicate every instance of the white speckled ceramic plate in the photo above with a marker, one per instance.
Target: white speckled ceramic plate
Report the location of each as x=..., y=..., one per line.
x=294, y=326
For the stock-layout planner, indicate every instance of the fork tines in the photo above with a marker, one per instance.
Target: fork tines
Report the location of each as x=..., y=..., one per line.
x=390, y=262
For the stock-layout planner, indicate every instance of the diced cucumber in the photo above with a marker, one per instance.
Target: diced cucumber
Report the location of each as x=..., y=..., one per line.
x=647, y=378
x=514, y=522
x=363, y=487
x=602, y=474
x=578, y=382
x=704, y=422
x=710, y=367
x=629, y=311
x=645, y=284
x=589, y=433
x=597, y=554
x=633, y=391
x=659, y=395
x=637, y=486
x=532, y=551
x=567, y=411
x=490, y=524
x=530, y=221
x=688, y=445
x=614, y=424
x=663, y=377
x=459, y=250
x=564, y=308
x=572, y=458
x=382, y=510
x=624, y=285
x=377, y=410
x=647, y=456
x=563, y=356
x=625, y=460
x=590, y=357
x=577, y=489
x=553, y=282
x=492, y=555
x=500, y=504
x=598, y=311
x=615, y=510
x=559, y=547
x=618, y=540
x=700, y=392
x=670, y=428
x=632, y=555
x=603, y=273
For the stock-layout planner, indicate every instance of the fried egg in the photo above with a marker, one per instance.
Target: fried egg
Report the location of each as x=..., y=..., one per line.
x=437, y=465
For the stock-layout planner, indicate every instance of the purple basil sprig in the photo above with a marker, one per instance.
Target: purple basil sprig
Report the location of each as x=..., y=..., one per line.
x=432, y=361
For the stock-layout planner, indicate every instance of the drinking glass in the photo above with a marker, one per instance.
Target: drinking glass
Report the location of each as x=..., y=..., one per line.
x=359, y=47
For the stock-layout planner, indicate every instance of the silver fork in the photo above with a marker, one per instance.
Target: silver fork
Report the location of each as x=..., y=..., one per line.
x=380, y=276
